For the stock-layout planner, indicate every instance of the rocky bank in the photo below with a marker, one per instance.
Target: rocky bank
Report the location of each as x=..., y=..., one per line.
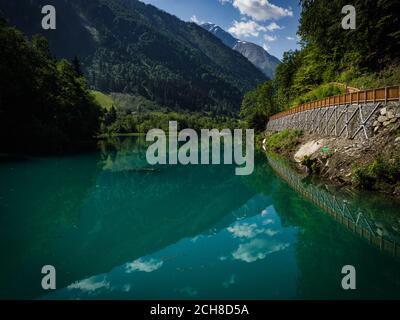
x=335, y=159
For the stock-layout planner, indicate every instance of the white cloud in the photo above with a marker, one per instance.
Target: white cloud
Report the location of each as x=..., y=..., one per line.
x=231, y=281
x=269, y=38
x=270, y=232
x=257, y=249
x=91, y=284
x=126, y=288
x=144, y=266
x=267, y=211
x=267, y=222
x=246, y=28
x=187, y=290
x=245, y=230
x=224, y=1
x=194, y=19
x=194, y=239
x=261, y=9
x=291, y=38
x=273, y=26
x=266, y=47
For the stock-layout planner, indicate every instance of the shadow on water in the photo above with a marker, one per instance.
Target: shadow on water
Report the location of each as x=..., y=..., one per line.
x=89, y=213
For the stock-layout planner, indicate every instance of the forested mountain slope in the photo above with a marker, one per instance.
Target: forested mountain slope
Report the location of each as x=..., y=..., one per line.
x=127, y=46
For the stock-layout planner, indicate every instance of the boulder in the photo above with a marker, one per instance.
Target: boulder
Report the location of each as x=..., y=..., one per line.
x=383, y=111
x=390, y=115
x=308, y=149
x=382, y=118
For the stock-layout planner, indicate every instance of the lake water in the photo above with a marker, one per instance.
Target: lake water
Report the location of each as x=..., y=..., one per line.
x=115, y=230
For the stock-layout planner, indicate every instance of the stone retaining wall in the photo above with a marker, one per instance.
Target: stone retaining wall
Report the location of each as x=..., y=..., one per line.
x=357, y=121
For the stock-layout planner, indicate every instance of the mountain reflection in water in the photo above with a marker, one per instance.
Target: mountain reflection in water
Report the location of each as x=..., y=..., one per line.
x=115, y=229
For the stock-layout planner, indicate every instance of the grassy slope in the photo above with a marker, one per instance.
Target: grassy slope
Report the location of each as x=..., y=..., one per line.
x=389, y=76
x=320, y=92
x=104, y=100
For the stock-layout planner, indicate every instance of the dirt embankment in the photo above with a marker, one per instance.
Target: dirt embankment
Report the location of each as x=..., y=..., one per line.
x=372, y=164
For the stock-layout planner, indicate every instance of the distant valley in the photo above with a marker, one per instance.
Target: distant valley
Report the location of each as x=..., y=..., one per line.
x=129, y=47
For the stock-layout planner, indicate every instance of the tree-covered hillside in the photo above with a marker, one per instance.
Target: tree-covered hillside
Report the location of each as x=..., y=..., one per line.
x=366, y=57
x=45, y=104
x=331, y=53
x=129, y=47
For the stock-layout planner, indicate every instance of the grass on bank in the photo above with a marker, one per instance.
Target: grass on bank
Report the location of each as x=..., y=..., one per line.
x=286, y=140
x=380, y=174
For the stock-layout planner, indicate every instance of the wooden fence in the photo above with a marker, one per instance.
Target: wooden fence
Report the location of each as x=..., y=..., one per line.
x=383, y=95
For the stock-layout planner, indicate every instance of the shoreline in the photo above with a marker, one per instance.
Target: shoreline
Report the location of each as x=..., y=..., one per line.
x=344, y=163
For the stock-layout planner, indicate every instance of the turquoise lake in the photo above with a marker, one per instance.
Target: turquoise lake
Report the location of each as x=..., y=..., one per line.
x=114, y=228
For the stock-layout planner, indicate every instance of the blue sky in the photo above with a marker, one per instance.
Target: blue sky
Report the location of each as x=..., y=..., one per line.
x=268, y=23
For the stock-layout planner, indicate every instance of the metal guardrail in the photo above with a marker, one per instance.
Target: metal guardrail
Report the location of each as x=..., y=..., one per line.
x=385, y=94
x=337, y=208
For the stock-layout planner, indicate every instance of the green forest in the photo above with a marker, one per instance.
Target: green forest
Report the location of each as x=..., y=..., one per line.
x=45, y=104
x=165, y=69
x=366, y=57
x=129, y=47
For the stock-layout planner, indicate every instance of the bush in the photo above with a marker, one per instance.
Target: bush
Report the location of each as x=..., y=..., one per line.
x=258, y=105
x=311, y=164
x=285, y=140
x=323, y=91
x=389, y=76
x=378, y=174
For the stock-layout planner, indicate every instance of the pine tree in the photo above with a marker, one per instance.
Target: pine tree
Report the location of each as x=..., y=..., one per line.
x=77, y=66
